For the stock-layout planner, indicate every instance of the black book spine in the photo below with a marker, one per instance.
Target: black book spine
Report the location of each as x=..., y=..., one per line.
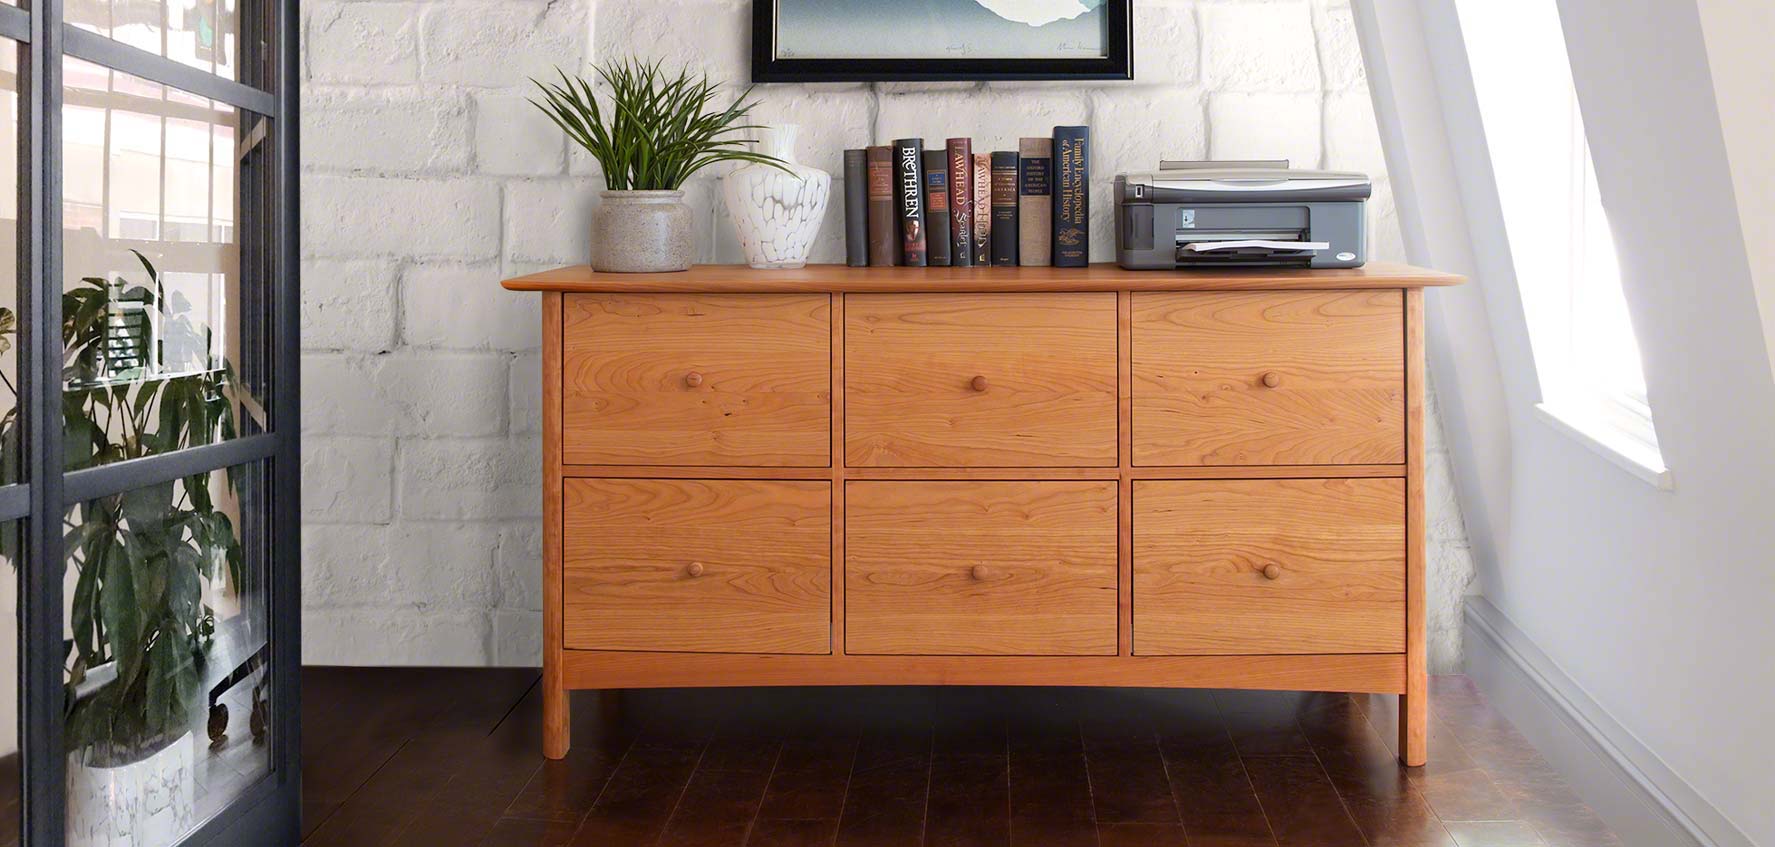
x=936, y=207
x=856, y=208
x=1004, y=208
x=1072, y=196
x=909, y=188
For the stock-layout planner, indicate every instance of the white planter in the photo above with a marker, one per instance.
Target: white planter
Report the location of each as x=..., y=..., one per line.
x=777, y=214
x=149, y=803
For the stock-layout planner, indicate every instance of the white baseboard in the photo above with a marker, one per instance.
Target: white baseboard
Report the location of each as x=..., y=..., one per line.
x=1632, y=790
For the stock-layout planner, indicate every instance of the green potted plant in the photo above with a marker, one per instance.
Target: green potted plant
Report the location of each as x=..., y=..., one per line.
x=657, y=129
x=139, y=379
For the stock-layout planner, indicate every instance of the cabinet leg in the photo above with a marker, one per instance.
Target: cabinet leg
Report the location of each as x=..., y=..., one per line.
x=1414, y=726
x=556, y=735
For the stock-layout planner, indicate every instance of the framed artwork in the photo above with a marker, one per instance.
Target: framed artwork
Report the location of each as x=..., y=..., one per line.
x=882, y=40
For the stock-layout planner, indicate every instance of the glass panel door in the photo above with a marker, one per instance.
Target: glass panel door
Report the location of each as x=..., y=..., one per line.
x=148, y=433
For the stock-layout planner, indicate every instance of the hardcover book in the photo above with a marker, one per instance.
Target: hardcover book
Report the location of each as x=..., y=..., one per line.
x=936, y=207
x=1072, y=196
x=856, y=208
x=884, y=225
x=961, y=201
x=982, y=208
x=1004, y=208
x=909, y=188
x=1035, y=200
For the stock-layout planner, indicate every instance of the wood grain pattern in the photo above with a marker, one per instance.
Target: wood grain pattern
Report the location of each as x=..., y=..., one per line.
x=1200, y=548
x=697, y=565
x=1125, y=481
x=1374, y=673
x=980, y=568
x=1414, y=704
x=1103, y=276
x=1206, y=472
x=1048, y=360
x=1200, y=367
x=697, y=379
x=556, y=726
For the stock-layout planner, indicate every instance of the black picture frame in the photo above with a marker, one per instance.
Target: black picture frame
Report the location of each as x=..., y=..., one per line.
x=767, y=67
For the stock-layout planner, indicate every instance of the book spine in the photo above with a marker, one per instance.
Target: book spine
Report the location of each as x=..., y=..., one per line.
x=936, y=207
x=982, y=208
x=884, y=226
x=909, y=186
x=1072, y=196
x=961, y=201
x=1004, y=208
x=1035, y=201
x=856, y=208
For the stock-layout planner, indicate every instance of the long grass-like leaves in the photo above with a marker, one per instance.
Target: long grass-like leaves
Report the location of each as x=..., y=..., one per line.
x=659, y=127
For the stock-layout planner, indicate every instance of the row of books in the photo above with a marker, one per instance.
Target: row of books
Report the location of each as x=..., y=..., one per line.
x=908, y=206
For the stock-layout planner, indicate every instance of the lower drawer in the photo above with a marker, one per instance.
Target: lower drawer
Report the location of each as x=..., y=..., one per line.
x=1269, y=566
x=701, y=566
x=980, y=568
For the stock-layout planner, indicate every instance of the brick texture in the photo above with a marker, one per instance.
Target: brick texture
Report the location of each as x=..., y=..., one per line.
x=428, y=177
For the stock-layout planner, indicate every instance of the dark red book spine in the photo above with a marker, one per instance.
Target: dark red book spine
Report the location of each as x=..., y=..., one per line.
x=961, y=201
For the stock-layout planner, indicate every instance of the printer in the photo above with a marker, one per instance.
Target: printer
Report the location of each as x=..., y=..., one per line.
x=1240, y=214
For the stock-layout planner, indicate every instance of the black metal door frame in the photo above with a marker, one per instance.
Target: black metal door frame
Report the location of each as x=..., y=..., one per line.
x=267, y=812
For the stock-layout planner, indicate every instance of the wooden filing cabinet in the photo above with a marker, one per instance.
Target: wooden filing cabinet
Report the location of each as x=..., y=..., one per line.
x=1019, y=476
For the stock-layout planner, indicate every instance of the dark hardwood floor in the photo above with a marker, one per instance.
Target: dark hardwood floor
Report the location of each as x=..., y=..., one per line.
x=447, y=757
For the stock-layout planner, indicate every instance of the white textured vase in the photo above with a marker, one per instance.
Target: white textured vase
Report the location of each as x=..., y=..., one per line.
x=147, y=803
x=777, y=214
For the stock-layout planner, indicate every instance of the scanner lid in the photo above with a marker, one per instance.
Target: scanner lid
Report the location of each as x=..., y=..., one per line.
x=1244, y=182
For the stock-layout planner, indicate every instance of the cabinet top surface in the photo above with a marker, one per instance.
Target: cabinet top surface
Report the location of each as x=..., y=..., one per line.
x=1097, y=277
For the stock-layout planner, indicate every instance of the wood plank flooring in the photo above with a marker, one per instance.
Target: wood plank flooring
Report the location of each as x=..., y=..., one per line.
x=443, y=757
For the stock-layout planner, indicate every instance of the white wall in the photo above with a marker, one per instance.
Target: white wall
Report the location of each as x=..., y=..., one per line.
x=1656, y=603
x=427, y=178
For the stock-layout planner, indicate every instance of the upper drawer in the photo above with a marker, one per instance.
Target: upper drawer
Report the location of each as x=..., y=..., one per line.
x=1269, y=378
x=696, y=379
x=980, y=380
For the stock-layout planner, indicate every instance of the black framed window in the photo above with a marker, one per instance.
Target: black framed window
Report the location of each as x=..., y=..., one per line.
x=149, y=444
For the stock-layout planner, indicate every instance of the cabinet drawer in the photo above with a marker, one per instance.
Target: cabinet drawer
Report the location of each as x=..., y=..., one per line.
x=1269, y=566
x=980, y=568
x=696, y=379
x=1269, y=378
x=980, y=380
x=701, y=566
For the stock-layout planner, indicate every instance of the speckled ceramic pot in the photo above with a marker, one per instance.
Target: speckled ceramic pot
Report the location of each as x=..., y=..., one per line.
x=642, y=232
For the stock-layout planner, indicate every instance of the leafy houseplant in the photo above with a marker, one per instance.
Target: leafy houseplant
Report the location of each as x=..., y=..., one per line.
x=138, y=380
x=657, y=129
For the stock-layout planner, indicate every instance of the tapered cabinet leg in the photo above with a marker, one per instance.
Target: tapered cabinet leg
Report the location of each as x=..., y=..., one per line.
x=556, y=719
x=1414, y=728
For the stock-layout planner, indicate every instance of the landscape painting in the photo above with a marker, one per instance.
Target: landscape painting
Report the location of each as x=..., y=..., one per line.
x=952, y=39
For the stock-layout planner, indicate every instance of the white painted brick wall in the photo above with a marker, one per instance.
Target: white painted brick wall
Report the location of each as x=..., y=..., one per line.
x=428, y=177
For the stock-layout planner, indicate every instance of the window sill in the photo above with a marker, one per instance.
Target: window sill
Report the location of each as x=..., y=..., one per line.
x=1626, y=454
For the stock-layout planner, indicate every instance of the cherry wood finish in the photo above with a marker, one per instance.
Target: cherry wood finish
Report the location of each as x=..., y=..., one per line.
x=430, y=757
x=1103, y=276
x=704, y=566
x=980, y=380
x=980, y=568
x=696, y=379
x=1260, y=378
x=1230, y=567
x=984, y=476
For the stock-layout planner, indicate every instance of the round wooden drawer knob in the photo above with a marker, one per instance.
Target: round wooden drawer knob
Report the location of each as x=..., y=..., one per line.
x=1272, y=379
x=982, y=573
x=979, y=383
x=693, y=379
x=695, y=569
x=1272, y=571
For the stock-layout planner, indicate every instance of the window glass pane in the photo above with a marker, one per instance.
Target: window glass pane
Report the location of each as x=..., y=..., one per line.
x=152, y=284
x=9, y=383
x=1586, y=355
x=200, y=33
x=9, y=739
x=168, y=684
